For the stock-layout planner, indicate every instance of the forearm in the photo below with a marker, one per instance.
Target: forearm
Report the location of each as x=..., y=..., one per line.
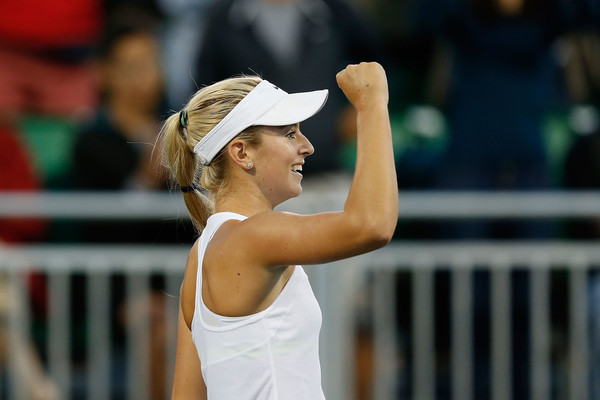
x=373, y=196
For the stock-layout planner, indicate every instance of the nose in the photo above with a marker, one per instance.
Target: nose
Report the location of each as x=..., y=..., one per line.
x=305, y=146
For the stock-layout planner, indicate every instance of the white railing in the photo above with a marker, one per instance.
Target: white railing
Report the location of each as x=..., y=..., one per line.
x=462, y=259
x=97, y=264
x=428, y=204
x=336, y=287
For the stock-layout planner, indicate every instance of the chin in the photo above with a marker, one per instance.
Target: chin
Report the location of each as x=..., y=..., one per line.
x=293, y=194
x=298, y=191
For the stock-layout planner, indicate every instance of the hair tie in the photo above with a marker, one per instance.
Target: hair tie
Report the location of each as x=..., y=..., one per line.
x=183, y=118
x=191, y=188
x=183, y=121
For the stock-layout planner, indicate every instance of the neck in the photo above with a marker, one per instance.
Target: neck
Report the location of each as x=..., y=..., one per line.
x=245, y=207
x=243, y=199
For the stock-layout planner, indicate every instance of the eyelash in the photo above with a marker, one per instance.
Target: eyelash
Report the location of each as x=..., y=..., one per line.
x=291, y=135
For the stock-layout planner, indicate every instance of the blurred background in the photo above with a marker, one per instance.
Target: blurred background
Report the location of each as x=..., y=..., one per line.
x=491, y=286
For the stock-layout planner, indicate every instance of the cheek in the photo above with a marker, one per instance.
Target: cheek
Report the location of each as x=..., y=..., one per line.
x=276, y=155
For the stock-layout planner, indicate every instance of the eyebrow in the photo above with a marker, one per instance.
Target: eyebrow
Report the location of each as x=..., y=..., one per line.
x=281, y=130
x=284, y=128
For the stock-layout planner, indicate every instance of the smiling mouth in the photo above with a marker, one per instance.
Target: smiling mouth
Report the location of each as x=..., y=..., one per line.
x=297, y=169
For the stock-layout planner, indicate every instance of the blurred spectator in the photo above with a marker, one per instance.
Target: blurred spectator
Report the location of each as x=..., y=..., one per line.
x=184, y=26
x=46, y=78
x=301, y=44
x=582, y=171
x=17, y=174
x=503, y=78
x=114, y=152
x=44, y=56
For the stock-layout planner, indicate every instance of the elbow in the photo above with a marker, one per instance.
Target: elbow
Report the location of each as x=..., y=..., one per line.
x=382, y=227
x=377, y=235
x=371, y=230
x=382, y=237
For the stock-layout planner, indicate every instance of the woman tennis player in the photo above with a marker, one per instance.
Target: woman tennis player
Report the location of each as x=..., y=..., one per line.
x=249, y=322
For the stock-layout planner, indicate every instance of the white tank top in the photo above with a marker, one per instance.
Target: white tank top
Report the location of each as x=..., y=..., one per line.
x=271, y=355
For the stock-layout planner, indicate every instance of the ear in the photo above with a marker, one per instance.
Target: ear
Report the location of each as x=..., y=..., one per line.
x=240, y=153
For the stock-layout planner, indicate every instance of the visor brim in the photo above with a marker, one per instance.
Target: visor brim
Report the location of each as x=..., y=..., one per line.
x=294, y=108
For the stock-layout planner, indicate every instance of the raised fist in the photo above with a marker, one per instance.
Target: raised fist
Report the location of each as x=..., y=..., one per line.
x=364, y=84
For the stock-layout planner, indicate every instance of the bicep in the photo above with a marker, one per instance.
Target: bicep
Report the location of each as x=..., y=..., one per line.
x=188, y=382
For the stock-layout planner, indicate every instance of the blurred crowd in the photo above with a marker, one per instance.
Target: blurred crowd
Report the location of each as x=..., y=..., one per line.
x=484, y=95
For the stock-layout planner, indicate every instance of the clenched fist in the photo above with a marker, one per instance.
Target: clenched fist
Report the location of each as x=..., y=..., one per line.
x=364, y=84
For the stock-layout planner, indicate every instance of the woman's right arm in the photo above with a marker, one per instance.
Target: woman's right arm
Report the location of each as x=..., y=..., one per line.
x=370, y=213
x=188, y=383
x=373, y=195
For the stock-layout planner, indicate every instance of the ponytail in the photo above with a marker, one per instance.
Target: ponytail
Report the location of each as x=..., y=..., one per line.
x=185, y=172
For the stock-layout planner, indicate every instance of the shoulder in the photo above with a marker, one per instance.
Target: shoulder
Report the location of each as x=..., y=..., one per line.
x=236, y=240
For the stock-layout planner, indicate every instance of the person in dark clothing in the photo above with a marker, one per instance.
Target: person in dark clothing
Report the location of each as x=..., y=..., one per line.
x=503, y=80
x=114, y=152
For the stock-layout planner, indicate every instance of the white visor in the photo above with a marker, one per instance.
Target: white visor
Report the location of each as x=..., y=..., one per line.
x=265, y=105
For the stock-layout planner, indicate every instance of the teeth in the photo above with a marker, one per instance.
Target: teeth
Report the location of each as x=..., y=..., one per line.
x=297, y=168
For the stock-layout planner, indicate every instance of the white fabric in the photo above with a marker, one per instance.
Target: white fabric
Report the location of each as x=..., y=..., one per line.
x=267, y=105
x=271, y=355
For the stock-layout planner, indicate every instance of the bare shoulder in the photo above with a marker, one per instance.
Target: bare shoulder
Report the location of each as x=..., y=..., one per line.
x=277, y=238
x=188, y=287
x=245, y=235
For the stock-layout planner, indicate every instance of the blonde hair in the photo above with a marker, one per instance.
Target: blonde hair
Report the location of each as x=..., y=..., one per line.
x=204, y=110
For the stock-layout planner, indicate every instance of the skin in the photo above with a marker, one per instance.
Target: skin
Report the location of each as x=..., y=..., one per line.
x=248, y=263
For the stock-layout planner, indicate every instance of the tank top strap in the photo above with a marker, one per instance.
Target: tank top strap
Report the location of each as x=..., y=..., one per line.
x=218, y=219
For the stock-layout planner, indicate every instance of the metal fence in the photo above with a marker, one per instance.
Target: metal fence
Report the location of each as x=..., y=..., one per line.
x=539, y=260
x=123, y=367
x=110, y=368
